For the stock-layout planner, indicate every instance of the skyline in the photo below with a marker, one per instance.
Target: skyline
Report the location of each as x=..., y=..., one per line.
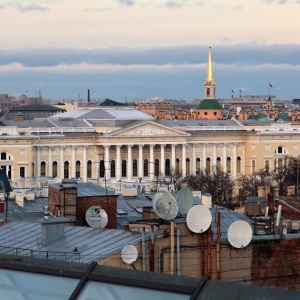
x=141, y=49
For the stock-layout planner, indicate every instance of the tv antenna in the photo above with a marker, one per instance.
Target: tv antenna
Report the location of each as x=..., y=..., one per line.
x=165, y=205
x=129, y=254
x=198, y=218
x=96, y=217
x=239, y=234
x=185, y=200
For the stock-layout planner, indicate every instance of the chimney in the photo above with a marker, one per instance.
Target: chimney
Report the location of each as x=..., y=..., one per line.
x=88, y=96
x=52, y=228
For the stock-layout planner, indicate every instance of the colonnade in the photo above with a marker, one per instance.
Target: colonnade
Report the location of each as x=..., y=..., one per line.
x=189, y=157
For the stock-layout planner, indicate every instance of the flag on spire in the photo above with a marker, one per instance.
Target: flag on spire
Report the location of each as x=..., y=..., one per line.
x=271, y=85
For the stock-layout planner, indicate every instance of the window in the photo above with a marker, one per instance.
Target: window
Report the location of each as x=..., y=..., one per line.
x=101, y=169
x=89, y=169
x=208, y=165
x=215, y=113
x=77, y=169
x=218, y=168
x=253, y=166
x=167, y=167
x=228, y=165
x=281, y=150
x=267, y=166
x=3, y=156
x=198, y=165
x=22, y=172
x=238, y=164
x=54, y=169
x=207, y=92
x=113, y=168
x=188, y=166
x=43, y=169
x=66, y=169
x=134, y=168
x=156, y=167
x=177, y=165
x=205, y=113
x=146, y=172
x=124, y=169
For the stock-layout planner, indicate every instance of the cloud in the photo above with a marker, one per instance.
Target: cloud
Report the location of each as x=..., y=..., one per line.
x=26, y=8
x=173, y=4
x=126, y=2
x=238, y=55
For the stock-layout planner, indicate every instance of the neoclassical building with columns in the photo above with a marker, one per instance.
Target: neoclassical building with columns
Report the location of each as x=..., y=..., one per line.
x=127, y=145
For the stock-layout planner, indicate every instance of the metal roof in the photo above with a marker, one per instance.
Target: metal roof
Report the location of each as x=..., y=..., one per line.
x=92, y=244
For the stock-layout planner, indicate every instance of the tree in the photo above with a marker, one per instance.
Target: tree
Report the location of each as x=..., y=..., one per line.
x=218, y=184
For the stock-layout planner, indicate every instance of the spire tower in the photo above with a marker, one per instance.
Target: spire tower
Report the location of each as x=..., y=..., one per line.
x=210, y=84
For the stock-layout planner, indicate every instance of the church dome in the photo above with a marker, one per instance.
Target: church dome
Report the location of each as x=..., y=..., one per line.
x=209, y=104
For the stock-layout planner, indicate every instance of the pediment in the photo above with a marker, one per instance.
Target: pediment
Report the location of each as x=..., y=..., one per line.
x=149, y=129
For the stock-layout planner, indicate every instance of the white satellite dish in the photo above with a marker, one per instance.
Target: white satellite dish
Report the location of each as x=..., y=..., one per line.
x=239, y=234
x=198, y=218
x=96, y=217
x=129, y=254
x=165, y=205
x=185, y=200
x=136, y=183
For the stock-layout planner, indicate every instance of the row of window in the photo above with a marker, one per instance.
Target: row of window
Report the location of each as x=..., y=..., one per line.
x=135, y=167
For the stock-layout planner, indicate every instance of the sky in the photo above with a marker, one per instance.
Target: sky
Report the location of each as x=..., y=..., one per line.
x=127, y=49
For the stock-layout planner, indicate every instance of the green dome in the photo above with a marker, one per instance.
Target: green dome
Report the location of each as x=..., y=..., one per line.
x=209, y=104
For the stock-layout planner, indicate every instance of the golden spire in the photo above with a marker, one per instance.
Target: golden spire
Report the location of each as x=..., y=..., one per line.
x=209, y=77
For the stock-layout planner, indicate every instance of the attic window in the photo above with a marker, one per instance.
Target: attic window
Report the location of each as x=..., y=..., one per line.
x=121, y=212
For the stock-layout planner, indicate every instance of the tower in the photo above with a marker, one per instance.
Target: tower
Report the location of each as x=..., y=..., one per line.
x=210, y=84
x=209, y=108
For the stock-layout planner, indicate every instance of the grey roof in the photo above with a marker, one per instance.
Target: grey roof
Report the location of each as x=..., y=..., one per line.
x=92, y=244
x=87, y=189
x=105, y=114
x=28, y=123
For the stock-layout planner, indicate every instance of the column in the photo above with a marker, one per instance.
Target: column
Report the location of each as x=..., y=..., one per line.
x=151, y=162
x=38, y=161
x=173, y=159
x=129, y=163
x=107, y=162
x=184, y=160
x=204, y=157
x=50, y=170
x=61, y=162
x=224, y=158
x=73, y=163
x=162, y=159
x=140, y=170
x=84, y=167
x=214, y=158
x=194, y=160
x=118, y=163
x=234, y=160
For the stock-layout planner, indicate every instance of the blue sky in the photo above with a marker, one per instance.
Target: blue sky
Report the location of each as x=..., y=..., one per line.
x=143, y=48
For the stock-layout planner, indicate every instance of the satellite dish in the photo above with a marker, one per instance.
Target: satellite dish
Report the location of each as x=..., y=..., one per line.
x=96, y=217
x=284, y=231
x=136, y=183
x=129, y=254
x=198, y=218
x=239, y=234
x=165, y=205
x=185, y=200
